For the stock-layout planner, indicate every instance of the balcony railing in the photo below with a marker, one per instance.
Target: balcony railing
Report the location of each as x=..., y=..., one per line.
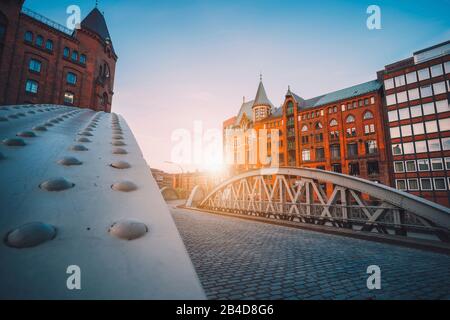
x=47, y=21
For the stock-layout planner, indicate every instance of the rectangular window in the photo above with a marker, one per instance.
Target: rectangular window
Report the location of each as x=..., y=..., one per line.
x=406, y=130
x=413, y=94
x=399, y=167
x=320, y=154
x=371, y=147
x=424, y=74
x=439, y=184
x=423, y=165
x=389, y=84
x=434, y=145
x=428, y=108
x=413, y=184
x=426, y=91
x=306, y=155
x=421, y=146
x=437, y=164
x=410, y=166
x=418, y=129
x=395, y=132
x=404, y=113
x=425, y=184
x=411, y=77
x=32, y=86
x=436, y=70
x=442, y=106
x=71, y=78
x=447, y=66
x=336, y=168
x=393, y=116
x=397, y=149
x=446, y=143
x=447, y=163
x=34, y=65
x=402, y=97
x=353, y=169
x=390, y=99
x=416, y=111
x=439, y=88
x=431, y=126
x=335, y=152
x=373, y=168
x=68, y=98
x=408, y=148
x=352, y=150
x=400, y=81
x=401, y=184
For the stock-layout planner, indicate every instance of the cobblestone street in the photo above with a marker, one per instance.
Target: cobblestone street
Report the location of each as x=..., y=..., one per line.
x=239, y=259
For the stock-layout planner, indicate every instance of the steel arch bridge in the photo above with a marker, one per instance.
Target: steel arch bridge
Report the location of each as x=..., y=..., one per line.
x=298, y=194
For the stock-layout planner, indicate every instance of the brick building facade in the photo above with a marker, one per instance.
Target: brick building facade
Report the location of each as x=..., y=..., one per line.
x=43, y=62
x=417, y=112
x=394, y=130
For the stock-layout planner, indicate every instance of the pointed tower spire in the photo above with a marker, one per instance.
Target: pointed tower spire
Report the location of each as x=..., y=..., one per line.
x=261, y=96
x=95, y=22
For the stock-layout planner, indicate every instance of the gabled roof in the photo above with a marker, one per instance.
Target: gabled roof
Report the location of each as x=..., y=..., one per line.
x=261, y=97
x=246, y=109
x=336, y=96
x=95, y=22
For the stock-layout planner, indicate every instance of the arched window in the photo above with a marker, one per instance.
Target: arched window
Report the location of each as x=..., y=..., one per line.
x=305, y=128
x=333, y=123
x=83, y=59
x=75, y=56
x=66, y=52
x=106, y=70
x=29, y=36
x=49, y=45
x=318, y=125
x=39, y=41
x=368, y=115
x=350, y=119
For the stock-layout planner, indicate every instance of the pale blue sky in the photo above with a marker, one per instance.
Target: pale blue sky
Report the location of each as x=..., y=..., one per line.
x=181, y=61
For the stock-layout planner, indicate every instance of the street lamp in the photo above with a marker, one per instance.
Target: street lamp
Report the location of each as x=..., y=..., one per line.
x=181, y=168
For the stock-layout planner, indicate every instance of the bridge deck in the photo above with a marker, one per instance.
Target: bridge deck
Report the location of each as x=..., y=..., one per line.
x=239, y=259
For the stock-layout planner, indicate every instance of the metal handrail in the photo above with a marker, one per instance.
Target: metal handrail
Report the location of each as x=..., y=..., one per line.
x=47, y=21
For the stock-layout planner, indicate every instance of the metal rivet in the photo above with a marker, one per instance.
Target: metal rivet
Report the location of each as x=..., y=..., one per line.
x=118, y=143
x=121, y=165
x=78, y=147
x=117, y=137
x=84, y=140
x=30, y=235
x=13, y=116
x=3, y=119
x=26, y=134
x=48, y=124
x=14, y=142
x=31, y=112
x=54, y=121
x=86, y=134
x=128, y=229
x=2, y=156
x=124, y=186
x=119, y=151
x=70, y=161
x=58, y=184
x=40, y=128
x=21, y=114
x=88, y=129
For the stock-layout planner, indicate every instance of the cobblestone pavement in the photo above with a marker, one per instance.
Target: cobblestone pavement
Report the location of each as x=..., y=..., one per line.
x=239, y=259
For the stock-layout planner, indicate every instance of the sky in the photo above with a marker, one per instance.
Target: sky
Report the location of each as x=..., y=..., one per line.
x=186, y=61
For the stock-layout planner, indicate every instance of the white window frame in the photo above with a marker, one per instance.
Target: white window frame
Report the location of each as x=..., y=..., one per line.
x=406, y=166
x=406, y=184
x=403, y=166
x=427, y=161
x=434, y=183
x=418, y=185
x=431, y=184
x=437, y=160
x=447, y=167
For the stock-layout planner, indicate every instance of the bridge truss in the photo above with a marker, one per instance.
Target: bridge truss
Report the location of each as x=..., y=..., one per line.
x=330, y=199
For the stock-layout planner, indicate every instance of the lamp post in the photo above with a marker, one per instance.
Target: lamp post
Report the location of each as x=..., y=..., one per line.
x=181, y=168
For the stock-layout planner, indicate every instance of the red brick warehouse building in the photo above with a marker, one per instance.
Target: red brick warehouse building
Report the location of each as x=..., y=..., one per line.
x=44, y=62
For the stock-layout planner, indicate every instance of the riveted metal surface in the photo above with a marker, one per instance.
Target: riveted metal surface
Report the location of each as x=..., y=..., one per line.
x=154, y=266
x=70, y=161
x=30, y=235
x=128, y=229
x=58, y=184
x=121, y=165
